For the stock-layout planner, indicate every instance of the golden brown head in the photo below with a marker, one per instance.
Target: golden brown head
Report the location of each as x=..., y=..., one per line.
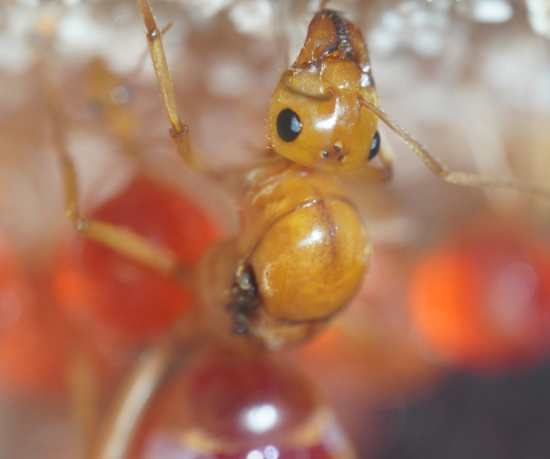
x=316, y=117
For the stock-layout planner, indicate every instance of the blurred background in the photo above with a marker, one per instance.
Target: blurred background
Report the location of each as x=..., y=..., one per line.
x=445, y=350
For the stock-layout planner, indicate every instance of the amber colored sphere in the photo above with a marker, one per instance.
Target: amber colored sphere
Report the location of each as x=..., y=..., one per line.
x=116, y=297
x=481, y=300
x=240, y=406
x=33, y=342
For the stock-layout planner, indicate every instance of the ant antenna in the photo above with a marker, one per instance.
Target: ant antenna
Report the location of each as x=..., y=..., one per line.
x=458, y=178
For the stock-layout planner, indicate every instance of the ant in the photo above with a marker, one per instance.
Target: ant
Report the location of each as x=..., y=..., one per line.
x=302, y=248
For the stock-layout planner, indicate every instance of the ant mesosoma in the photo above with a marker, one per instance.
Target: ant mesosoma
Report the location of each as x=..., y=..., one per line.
x=302, y=248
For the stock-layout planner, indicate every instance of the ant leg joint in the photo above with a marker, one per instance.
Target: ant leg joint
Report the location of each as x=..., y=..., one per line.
x=183, y=133
x=81, y=223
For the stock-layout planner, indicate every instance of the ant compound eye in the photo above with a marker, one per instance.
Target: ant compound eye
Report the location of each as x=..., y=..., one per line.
x=374, y=146
x=289, y=125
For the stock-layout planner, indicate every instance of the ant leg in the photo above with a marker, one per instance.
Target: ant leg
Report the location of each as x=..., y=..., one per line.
x=108, y=95
x=178, y=130
x=386, y=171
x=458, y=178
x=122, y=240
x=83, y=390
x=139, y=66
x=123, y=417
x=122, y=421
x=133, y=398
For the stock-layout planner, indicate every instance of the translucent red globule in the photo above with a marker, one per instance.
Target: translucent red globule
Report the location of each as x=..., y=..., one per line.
x=272, y=452
x=481, y=300
x=240, y=407
x=122, y=299
x=33, y=339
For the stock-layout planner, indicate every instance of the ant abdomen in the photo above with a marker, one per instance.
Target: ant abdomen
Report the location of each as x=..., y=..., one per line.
x=304, y=251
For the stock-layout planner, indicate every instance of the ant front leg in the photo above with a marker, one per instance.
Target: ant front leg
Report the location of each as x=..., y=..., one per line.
x=178, y=131
x=122, y=240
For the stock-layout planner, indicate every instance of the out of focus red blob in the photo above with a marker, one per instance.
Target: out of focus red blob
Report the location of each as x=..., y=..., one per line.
x=33, y=342
x=240, y=407
x=33, y=354
x=121, y=300
x=371, y=343
x=481, y=300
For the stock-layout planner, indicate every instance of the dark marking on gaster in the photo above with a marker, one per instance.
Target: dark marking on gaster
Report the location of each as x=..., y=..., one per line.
x=243, y=302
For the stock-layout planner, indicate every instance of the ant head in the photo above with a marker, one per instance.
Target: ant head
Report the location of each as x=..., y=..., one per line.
x=316, y=117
